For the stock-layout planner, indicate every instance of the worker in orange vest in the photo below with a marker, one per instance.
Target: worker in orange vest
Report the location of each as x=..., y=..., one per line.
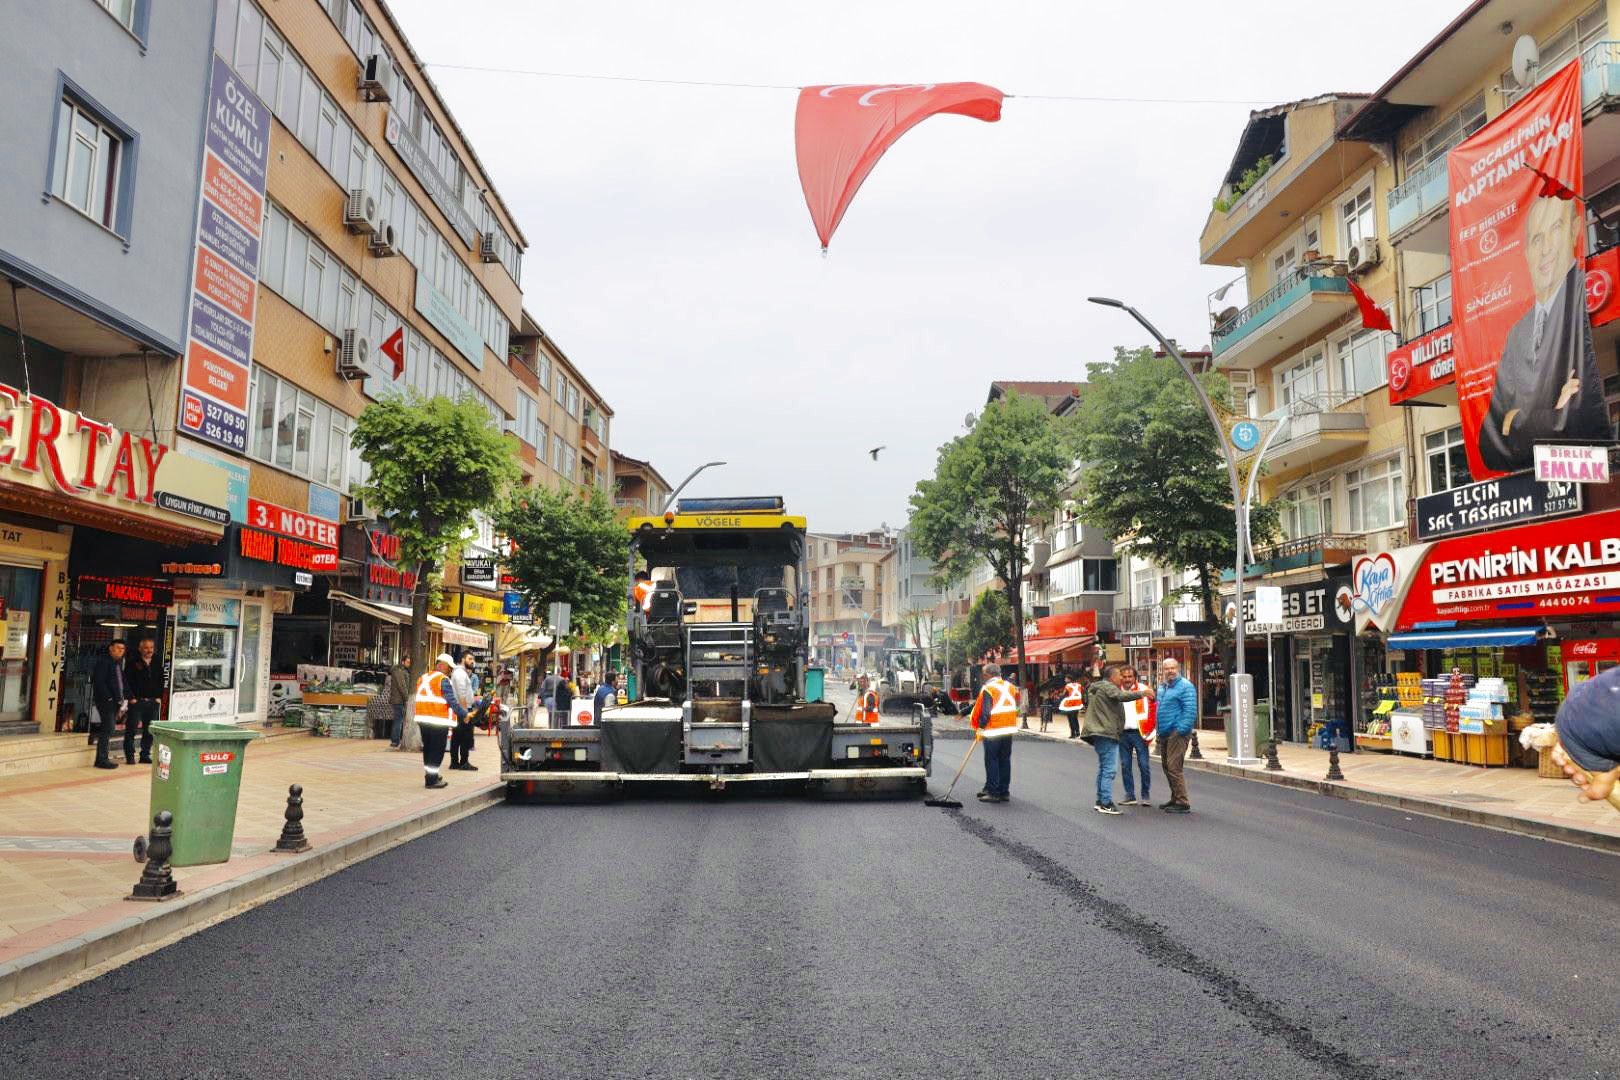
x=644, y=591
x=995, y=718
x=1072, y=701
x=866, y=702
x=434, y=701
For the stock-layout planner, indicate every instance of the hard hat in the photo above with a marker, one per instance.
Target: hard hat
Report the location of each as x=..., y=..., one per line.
x=446, y=659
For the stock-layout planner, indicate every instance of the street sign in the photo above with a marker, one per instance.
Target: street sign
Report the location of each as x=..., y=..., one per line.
x=1245, y=435
x=558, y=615
x=1268, y=604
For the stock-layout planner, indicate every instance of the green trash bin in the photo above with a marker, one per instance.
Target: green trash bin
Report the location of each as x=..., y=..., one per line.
x=1262, y=724
x=815, y=683
x=197, y=776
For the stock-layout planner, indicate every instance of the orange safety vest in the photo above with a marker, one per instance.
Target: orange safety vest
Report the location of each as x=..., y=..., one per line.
x=1003, y=718
x=1073, y=698
x=866, y=709
x=432, y=708
x=643, y=594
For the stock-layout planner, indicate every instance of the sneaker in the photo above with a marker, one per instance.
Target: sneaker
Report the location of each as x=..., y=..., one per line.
x=1167, y=805
x=999, y=798
x=1129, y=802
x=437, y=782
x=1178, y=808
x=1107, y=808
x=106, y=764
x=469, y=766
x=983, y=796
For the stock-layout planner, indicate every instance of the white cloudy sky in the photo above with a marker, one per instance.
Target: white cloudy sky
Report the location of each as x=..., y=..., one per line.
x=672, y=257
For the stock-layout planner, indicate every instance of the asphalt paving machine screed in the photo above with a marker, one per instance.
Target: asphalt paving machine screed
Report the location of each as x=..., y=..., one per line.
x=717, y=657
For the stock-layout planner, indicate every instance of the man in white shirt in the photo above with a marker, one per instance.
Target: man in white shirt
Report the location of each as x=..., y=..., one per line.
x=464, y=684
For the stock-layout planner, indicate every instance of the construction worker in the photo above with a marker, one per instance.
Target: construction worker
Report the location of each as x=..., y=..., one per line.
x=435, y=700
x=866, y=702
x=644, y=590
x=1070, y=704
x=995, y=718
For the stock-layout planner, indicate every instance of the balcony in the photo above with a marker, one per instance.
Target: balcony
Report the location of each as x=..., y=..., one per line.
x=525, y=374
x=637, y=507
x=1292, y=312
x=1318, y=549
x=1316, y=427
x=1423, y=193
x=1156, y=619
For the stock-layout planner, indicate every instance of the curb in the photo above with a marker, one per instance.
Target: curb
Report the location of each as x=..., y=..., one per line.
x=1428, y=807
x=37, y=974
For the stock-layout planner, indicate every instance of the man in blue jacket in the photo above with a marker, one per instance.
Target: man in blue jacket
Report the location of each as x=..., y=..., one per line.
x=1178, y=715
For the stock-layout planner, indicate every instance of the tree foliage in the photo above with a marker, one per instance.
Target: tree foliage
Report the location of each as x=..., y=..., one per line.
x=433, y=462
x=1153, y=469
x=989, y=488
x=988, y=628
x=567, y=547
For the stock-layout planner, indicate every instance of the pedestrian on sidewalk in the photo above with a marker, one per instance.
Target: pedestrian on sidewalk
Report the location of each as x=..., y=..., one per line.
x=995, y=718
x=111, y=694
x=435, y=700
x=144, y=678
x=399, y=695
x=1105, y=724
x=1070, y=704
x=1589, y=735
x=1133, y=745
x=465, y=685
x=1176, y=718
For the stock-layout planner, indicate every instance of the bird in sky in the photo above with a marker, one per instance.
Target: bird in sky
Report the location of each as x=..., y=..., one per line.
x=875, y=451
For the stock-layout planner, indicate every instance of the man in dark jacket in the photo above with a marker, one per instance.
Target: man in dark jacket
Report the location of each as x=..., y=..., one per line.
x=565, y=703
x=111, y=694
x=401, y=689
x=143, y=678
x=1105, y=723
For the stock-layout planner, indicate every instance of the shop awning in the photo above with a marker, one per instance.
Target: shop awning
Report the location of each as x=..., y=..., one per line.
x=1458, y=639
x=515, y=640
x=452, y=633
x=1035, y=650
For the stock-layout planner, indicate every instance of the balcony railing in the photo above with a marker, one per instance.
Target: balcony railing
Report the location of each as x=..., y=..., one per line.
x=1306, y=545
x=631, y=504
x=1319, y=402
x=1295, y=285
x=1423, y=191
x=1156, y=618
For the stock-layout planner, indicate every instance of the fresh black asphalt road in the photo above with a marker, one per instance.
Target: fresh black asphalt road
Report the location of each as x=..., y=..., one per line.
x=1271, y=933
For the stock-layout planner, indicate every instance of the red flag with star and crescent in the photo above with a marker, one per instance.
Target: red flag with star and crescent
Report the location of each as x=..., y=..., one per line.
x=394, y=349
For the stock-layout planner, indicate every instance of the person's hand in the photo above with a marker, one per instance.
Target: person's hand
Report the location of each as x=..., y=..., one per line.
x=1148, y=690
x=1594, y=787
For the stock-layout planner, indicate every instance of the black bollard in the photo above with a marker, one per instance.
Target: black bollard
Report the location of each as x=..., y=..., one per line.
x=1195, y=754
x=292, y=839
x=157, y=880
x=1272, y=764
x=1334, y=772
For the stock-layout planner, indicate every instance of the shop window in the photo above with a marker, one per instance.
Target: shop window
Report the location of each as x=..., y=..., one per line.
x=20, y=593
x=1377, y=496
x=1447, y=460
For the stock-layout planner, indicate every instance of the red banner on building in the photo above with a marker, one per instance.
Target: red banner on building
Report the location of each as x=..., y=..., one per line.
x=1422, y=365
x=1526, y=372
x=1603, y=286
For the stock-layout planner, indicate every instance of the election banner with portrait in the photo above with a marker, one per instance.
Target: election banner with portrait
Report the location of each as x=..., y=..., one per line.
x=1526, y=370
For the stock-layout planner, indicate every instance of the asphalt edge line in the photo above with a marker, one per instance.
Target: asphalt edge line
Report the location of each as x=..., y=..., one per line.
x=55, y=968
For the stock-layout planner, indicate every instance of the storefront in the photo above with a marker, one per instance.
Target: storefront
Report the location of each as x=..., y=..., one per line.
x=1303, y=675
x=63, y=476
x=1534, y=606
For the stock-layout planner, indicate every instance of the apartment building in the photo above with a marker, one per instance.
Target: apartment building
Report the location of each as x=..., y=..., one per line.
x=846, y=585
x=911, y=598
x=639, y=489
x=562, y=424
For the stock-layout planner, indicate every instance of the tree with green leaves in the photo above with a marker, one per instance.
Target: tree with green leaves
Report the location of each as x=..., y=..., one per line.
x=1153, y=469
x=433, y=462
x=987, y=629
x=991, y=488
x=567, y=547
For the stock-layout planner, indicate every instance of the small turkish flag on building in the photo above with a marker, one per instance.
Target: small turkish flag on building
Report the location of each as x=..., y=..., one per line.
x=394, y=349
x=1373, y=317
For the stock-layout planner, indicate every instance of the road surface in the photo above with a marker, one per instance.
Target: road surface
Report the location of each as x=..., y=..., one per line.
x=1271, y=933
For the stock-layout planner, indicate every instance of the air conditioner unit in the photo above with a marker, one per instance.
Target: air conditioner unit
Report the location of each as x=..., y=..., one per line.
x=359, y=511
x=1363, y=255
x=383, y=240
x=351, y=357
x=360, y=212
x=486, y=248
x=377, y=78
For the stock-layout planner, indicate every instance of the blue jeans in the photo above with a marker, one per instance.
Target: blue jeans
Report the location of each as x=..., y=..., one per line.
x=397, y=731
x=998, y=765
x=1134, y=747
x=1107, y=766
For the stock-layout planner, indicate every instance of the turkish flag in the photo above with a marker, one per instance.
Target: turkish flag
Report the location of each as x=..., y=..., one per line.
x=1373, y=317
x=841, y=131
x=394, y=349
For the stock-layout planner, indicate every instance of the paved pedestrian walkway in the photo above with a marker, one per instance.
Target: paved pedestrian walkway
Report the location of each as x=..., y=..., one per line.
x=1464, y=791
x=65, y=835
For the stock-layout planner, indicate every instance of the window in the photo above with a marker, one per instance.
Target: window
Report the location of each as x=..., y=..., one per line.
x=1302, y=381
x=85, y=170
x=1361, y=361
x=1307, y=510
x=1377, y=496
x=1432, y=304
x=1360, y=223
x=1447, y=459
x=1446, y=134
x=1284, y=262
x=562, y=391
x=249, y=30
x=1144, y=587
x=294, y=430
x=122, y=10
x=573, y=400
x=1099, y=575
x=271, y=51
x=556, y=452
x=292, y=85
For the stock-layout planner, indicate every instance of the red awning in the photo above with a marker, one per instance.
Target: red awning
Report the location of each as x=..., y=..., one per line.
x=1035, y=650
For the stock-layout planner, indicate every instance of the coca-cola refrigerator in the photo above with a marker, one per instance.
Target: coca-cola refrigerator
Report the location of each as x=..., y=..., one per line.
x=1583, y=660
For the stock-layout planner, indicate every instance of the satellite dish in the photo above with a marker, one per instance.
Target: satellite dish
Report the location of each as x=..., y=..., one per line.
x=1526, y=59
x=969, y=420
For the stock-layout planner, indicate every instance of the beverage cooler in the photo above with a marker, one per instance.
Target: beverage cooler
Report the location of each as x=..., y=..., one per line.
x=1583, y=660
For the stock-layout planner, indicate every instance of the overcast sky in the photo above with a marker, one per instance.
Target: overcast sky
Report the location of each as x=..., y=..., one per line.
x=672, y=257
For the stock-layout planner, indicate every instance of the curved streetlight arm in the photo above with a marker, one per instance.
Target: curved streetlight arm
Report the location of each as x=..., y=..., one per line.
x=1254, y=474
x=1238, y=507
x=670, y=501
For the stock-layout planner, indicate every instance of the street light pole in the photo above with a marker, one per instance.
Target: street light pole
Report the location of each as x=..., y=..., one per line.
x=670, y=501
x=1240, y=750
